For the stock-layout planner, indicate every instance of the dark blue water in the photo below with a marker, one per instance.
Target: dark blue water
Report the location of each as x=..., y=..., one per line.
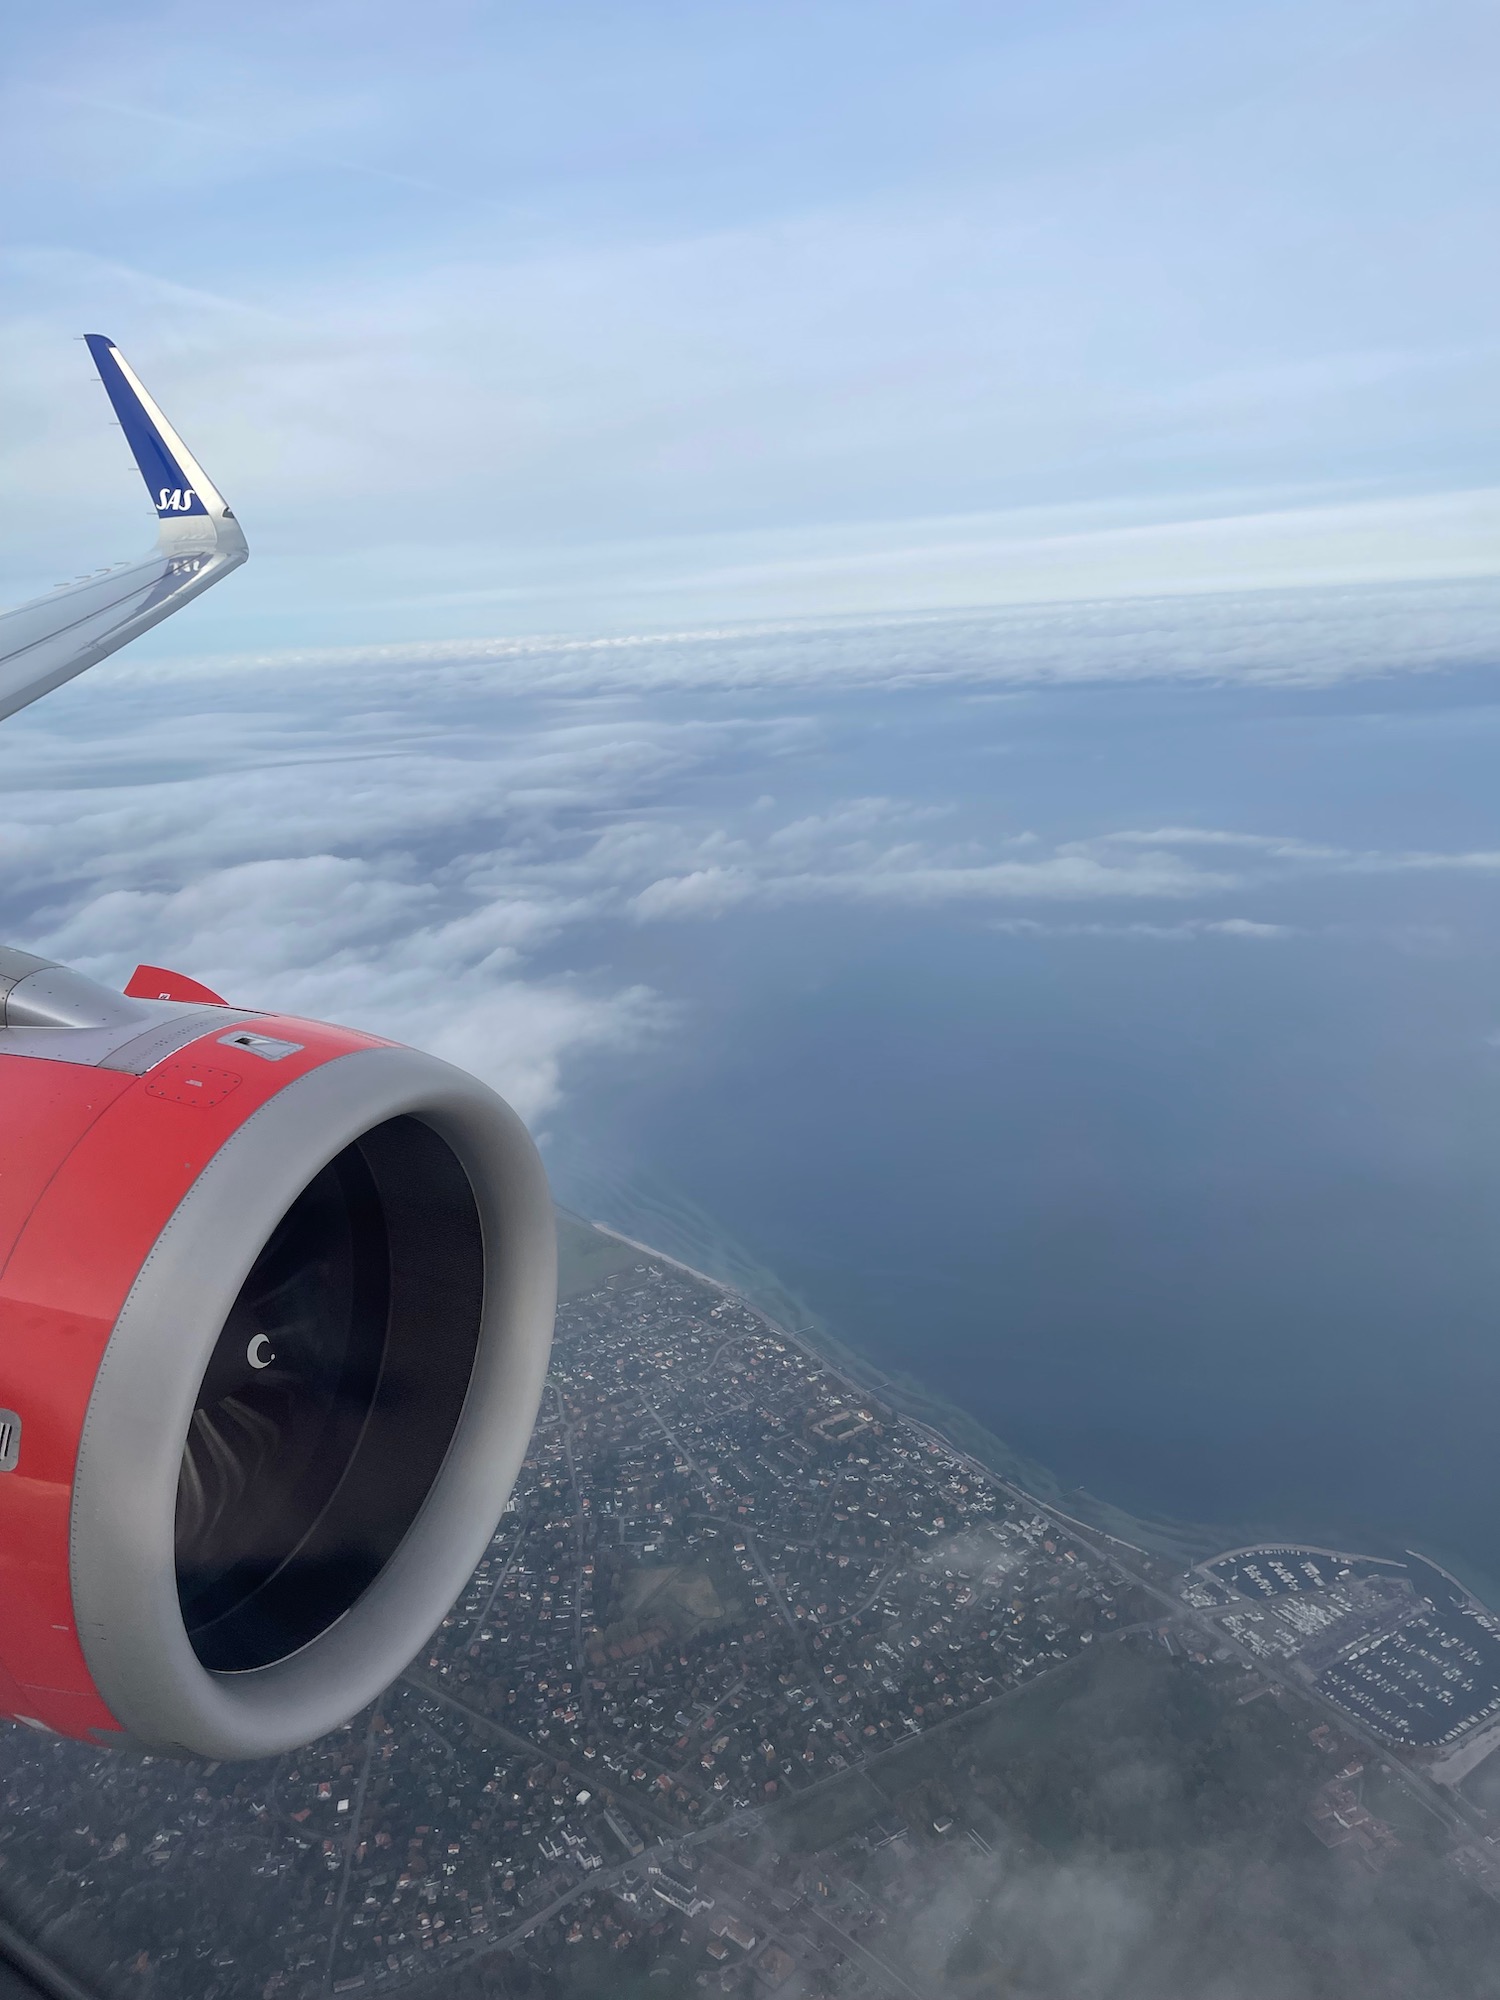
x=1208, y=1222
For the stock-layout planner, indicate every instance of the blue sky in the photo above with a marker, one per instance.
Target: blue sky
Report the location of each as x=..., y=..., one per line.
x=499, y=320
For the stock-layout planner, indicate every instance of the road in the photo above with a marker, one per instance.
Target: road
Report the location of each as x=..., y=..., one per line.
x=351, y=1841
x=1454, y=1812
x=671, y=1839
x=798, y=1632
x=542, y=1752
x=585, y=1692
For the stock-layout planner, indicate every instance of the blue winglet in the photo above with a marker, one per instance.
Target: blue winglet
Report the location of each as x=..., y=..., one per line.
x=176, y=483
x=198, y=541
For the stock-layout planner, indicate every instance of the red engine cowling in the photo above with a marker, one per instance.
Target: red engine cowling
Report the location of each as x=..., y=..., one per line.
x=276, y=1302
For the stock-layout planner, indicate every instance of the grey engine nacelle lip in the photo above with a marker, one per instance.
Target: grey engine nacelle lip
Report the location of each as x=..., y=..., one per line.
x=124, y=1579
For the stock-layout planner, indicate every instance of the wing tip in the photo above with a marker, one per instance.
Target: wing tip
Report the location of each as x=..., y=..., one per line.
x=177, y=484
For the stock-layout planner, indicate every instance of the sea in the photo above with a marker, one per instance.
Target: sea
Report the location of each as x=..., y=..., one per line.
x=1192, y=1198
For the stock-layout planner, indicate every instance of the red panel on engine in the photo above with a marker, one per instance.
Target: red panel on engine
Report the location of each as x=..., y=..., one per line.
x=155, y=982
x=199, y=1084
x=45, y=1109
x=118, y=1163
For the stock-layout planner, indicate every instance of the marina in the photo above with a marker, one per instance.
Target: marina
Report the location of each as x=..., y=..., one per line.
x=1399, y=1647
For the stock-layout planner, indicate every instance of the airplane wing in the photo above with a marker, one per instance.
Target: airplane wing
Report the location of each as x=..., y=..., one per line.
x=47, y=642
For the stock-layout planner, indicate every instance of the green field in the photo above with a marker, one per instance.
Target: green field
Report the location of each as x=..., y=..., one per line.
x=586, y=1256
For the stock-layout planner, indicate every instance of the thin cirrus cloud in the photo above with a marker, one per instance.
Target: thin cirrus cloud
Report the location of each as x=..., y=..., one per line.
x=1126, y=865
x=659, y=331
x=1192, y=927
x=783, y=312
x=1308, y=637
x=1274, y=848
x=908, y=876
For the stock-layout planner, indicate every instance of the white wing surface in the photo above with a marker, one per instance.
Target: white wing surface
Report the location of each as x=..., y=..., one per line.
x=46, y=643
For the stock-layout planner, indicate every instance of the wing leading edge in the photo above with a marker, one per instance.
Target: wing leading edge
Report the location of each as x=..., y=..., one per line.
x=46, y=643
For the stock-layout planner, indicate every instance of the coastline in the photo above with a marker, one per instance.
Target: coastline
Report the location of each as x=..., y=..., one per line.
x=1180, y=1542
x=943, y=1424
x=1146, y=1551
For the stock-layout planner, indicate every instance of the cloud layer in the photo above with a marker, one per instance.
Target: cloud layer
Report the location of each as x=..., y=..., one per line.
x=459, y=850
x=1310, y=637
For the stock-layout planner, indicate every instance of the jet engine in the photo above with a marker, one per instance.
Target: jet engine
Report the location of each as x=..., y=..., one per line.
x=276, y=1300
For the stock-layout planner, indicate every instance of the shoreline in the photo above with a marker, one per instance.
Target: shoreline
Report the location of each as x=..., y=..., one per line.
x=890, y=1393
x=1452, y=1761
x=1190, y=1544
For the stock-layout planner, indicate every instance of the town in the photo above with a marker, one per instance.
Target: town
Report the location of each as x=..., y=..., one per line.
x=731, y=1593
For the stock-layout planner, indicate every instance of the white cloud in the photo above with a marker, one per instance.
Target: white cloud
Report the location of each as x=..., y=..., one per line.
x=1314, y=855
x=457, y=859
x=1247, y=927
x=706, y=892
x=349, y=868
x=1290, y=638
x=334, y=938
x=520, y=1036
x=1192, y=927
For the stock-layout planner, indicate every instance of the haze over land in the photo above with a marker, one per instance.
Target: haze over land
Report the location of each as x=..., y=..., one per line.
x=759, y=1688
